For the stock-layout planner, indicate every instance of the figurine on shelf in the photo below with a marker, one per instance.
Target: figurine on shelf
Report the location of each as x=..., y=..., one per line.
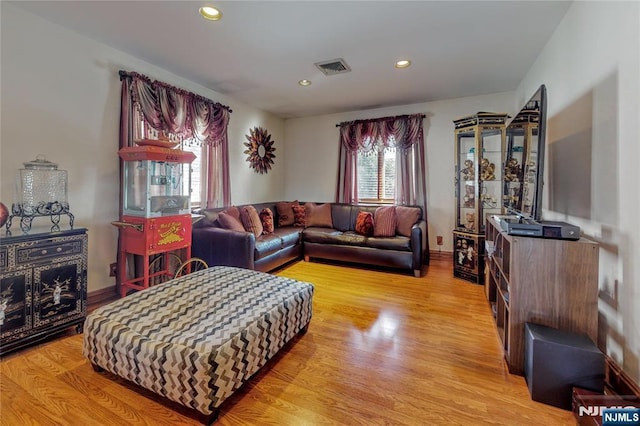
x=467, y=172
x=470, y=221
x=489, y=201
x=512, y=170
x=487, y=170
x=469, y=196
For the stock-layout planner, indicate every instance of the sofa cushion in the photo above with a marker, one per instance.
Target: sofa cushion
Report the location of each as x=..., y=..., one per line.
x=267, y=244
x=229, y=222
x=384, y=221
x=407, y=217
x=364, y=224
x=318, y=215
x=299, y=216
x=399, y=243
x=332, y=236
x=290, y=235
x=251, y=220
x=266, y=217
x=285, y=212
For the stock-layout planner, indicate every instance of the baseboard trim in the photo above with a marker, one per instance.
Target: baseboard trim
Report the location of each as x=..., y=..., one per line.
x=440, y=255
x=102, y=296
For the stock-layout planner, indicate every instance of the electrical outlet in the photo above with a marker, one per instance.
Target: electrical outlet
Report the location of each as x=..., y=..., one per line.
x=113, y=269
x=439, y=240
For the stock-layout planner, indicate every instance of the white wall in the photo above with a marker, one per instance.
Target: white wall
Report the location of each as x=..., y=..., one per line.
x=591, y=69
x=61, y=98
x=312, y=154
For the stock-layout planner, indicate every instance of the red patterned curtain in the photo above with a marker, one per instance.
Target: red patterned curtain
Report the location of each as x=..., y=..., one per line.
x=184, y=116
x=404, y=134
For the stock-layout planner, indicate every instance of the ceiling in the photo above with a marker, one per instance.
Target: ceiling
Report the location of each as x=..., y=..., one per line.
x=259, y=50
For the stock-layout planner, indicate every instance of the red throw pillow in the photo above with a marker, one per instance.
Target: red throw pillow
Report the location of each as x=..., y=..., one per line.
x=266, y=217
x=251, y=220
x=364, y=224
x=299, y=216
x=384, y=222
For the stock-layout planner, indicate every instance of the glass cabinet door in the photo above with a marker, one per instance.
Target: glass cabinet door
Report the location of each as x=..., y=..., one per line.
x=530, y=167
x=491, y=140
x=467, y=181
x=513, y=167
x=520, y=169
x=479, y=149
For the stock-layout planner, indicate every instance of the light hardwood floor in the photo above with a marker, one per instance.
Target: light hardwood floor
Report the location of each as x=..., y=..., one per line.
x=382, y=348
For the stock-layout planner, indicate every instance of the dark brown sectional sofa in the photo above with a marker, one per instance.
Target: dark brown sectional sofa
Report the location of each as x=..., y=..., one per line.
x=219, y=246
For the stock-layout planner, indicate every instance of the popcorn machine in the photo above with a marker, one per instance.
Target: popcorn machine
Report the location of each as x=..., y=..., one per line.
x=156, y=210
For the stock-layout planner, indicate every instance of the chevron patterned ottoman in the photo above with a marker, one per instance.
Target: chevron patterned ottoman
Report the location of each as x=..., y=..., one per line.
x=196, y=339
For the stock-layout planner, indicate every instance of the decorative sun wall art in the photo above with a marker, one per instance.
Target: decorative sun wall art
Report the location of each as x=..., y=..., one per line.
x=259, y=150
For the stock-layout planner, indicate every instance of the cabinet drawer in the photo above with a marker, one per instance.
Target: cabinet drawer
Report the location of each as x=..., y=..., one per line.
x=43, y=251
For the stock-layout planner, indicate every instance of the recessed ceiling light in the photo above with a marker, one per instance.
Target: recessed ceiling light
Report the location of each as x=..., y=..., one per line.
x=210, y=13
x=403, y=64
x=304, y=82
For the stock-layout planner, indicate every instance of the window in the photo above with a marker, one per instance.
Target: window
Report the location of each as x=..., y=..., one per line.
x=196, y=173
x=377, y=176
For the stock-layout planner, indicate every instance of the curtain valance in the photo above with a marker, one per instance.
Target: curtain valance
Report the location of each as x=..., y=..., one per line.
x=399, y=132
x=177, y=111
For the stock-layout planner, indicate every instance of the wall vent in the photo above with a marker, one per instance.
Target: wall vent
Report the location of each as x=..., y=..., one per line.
x=333, y=67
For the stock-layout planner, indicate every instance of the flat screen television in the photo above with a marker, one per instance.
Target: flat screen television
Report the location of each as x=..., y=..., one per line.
x=524, y=159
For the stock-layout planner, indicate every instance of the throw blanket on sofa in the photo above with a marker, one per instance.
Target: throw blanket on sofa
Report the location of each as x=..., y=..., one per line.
x=197, y=338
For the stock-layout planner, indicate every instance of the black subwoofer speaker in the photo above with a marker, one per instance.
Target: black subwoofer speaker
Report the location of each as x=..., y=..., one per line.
x=555, y=361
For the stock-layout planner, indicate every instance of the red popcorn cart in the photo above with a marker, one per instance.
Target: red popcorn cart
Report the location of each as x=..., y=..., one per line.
x=156, y=218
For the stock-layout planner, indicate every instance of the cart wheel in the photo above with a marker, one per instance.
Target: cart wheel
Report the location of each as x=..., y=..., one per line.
x=192, y=265
x=159, y=272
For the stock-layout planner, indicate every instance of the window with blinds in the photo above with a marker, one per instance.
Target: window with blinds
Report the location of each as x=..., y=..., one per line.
x=196, y=173
x=377, y=176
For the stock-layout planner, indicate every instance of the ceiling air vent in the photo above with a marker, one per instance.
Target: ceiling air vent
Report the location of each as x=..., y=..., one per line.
x=333, y=67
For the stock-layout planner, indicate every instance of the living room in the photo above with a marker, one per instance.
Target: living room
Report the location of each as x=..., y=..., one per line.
x=61, y=98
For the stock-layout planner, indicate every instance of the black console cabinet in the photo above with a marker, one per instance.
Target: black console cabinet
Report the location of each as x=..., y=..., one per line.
x=43, y=286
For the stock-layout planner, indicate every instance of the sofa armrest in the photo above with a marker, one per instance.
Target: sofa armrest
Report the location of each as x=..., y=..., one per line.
x=417, y=246
x=218, y=246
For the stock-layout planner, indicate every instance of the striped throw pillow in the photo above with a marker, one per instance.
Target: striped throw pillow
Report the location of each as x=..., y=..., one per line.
x=251, y=220
x=385, y=222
